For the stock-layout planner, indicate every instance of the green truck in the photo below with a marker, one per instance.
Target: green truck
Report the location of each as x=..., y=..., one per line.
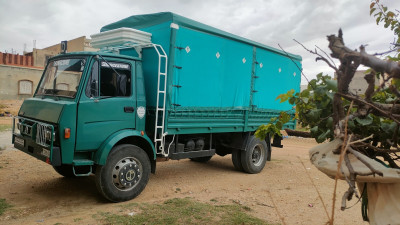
x=161, y=87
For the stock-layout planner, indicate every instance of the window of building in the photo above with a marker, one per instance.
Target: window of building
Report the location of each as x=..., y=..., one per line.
x=25, y=87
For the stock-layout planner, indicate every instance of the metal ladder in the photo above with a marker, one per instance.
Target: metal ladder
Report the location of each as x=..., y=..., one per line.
x=159, y=135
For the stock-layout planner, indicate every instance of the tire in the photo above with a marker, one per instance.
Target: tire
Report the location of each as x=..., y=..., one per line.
x=125, y=174
x=201, y=159
x=254, y=158
x=64, y=170
x=237, y=160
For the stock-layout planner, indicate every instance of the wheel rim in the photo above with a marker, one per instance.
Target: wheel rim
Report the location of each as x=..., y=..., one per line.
x=257, y=157
x=127, y=173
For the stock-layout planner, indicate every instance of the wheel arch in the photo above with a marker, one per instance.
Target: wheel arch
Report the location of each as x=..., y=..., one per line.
x=126, y=137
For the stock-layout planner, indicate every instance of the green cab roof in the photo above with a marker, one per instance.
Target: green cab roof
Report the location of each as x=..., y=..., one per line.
x=147, y=20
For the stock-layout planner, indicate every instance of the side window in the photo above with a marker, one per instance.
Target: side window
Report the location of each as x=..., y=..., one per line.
x=115, y=83
x=92, y=88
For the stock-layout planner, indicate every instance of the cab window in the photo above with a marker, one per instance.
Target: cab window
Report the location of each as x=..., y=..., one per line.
x=109, y=79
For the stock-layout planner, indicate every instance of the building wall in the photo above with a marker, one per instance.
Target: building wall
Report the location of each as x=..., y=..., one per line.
x=17, y=81
x=20, y=74
x=358, y=84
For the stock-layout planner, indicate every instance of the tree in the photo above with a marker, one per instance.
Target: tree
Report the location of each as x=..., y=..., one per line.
x=367, y=124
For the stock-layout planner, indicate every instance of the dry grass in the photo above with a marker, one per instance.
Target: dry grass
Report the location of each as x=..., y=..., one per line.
x=11, y=106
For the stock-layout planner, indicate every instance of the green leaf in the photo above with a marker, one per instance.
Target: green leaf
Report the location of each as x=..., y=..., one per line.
x=292, y=100
x=279, y=125
x=365, y=121
x=314, y=130
x=323, y=136
x=329, y=122
x=286, y=96
x=314, y=114
x=351, y=125
x=372, y=11
x=332, y=85
x=284, y=117
x=305, y=93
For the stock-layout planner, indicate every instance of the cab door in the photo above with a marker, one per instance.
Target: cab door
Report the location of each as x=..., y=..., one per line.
x=107, y=104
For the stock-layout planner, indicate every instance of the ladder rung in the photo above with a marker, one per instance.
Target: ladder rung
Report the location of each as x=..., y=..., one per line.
x=160, y=109
x=159, y=126
x=161, y=91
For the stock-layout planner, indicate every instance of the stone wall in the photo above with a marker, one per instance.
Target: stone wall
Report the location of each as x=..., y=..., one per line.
x=18, y=82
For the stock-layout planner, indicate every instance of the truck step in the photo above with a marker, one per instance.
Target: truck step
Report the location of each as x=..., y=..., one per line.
x=192, y=154
x=82, y=162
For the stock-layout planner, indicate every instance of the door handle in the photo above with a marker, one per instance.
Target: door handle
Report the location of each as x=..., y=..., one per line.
x=129, y=109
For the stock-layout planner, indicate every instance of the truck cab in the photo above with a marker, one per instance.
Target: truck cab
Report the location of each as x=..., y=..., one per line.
x=85, y=103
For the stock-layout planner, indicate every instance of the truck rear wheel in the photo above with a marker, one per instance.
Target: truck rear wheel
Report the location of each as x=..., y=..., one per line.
x=125, y=174
x=237, y=159
x=254, y=158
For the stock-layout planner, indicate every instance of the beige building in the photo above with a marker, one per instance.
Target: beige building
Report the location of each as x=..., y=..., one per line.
x=20, y=74
x=40, y=56
x=358, y=84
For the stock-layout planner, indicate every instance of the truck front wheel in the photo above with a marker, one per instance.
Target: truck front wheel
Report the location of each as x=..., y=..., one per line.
x=254, y=158
x=125, y=174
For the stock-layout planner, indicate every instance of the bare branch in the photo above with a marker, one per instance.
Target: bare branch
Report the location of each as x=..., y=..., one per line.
x=301, y=70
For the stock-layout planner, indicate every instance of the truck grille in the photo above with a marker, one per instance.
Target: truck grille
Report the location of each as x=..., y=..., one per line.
x=44, y=134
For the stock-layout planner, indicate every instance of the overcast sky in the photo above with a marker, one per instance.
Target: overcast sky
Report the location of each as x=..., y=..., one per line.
x=270, y=22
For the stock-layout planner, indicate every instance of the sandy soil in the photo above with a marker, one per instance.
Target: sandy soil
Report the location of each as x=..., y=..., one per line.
x=282, y=191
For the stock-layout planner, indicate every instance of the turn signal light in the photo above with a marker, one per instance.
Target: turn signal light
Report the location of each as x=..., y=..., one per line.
x=67, y=133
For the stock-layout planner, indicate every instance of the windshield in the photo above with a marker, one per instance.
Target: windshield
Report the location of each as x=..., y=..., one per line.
x=62, y=77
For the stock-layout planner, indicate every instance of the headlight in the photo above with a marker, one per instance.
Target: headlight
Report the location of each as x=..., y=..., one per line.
x=48, y=135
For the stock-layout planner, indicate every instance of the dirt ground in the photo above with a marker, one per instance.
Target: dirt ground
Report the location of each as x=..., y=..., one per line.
x=282, y=191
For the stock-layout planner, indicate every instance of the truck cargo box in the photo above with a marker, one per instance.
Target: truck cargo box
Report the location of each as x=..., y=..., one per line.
x=217, y=81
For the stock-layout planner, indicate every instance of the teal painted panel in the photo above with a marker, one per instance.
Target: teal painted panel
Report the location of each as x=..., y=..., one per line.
x=160, y=35
x=149, y=20
x=47, y=109
x=216, y=72
x=276, y=75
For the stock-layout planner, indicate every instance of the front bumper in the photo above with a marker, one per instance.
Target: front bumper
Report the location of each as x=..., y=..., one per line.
x=31, y=141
